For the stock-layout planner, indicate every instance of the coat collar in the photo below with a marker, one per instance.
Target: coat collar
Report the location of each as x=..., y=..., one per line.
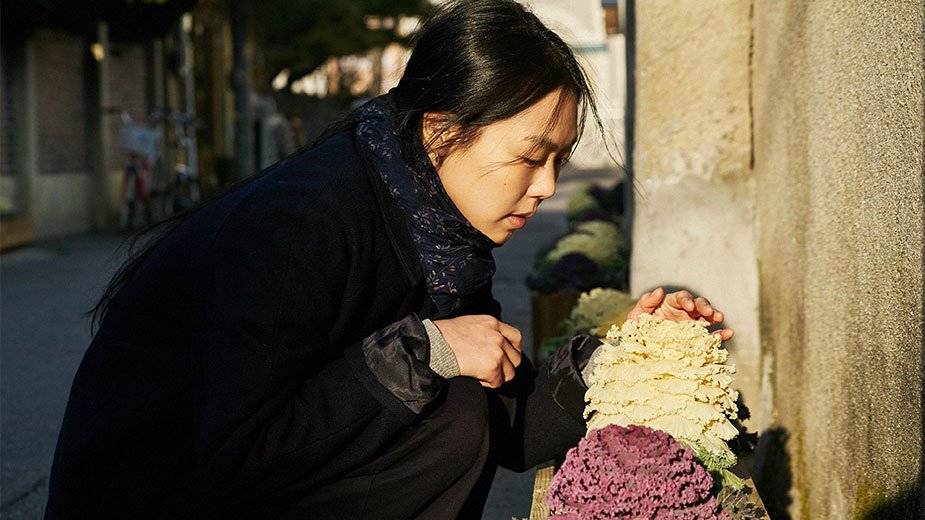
x=454, y=257
x=396, y=229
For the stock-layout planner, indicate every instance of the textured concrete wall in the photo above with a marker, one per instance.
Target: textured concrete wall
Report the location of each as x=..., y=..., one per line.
x=694, y=218
x=779, y=161
x=62, y=110
x=838, y=122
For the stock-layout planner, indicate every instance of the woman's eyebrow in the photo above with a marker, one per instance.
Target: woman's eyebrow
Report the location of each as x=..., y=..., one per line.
x=546, y=143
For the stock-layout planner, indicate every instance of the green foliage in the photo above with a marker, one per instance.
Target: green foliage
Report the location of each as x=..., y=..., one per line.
x=300, y=35
x=599, y=240
x=717, y=464
x=581, y=202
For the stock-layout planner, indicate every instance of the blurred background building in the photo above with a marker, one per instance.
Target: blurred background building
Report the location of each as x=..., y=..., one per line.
x=775, y=150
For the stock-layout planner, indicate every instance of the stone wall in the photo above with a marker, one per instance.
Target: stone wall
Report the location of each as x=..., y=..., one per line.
x=779, y=164
x=838, y=162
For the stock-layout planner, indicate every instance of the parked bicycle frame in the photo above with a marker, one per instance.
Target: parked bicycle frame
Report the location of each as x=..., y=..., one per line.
x=144, y=196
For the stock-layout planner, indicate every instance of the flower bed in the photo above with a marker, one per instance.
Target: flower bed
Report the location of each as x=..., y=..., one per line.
x=592, y=254
x=661, y=413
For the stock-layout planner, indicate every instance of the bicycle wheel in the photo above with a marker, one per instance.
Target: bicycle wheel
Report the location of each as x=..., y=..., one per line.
x=127, y=207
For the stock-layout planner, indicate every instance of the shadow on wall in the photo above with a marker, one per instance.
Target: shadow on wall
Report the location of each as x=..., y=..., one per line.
x=905, y=504
x=774, y=482
x=772, y=474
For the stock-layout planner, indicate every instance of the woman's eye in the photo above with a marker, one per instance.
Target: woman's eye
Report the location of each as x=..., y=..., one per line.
x=561, y=161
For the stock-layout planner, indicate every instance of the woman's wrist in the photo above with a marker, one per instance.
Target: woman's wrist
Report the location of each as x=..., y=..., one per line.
x=442, y=359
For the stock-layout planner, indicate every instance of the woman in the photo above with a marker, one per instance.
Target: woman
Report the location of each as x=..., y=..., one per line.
x=322, y=341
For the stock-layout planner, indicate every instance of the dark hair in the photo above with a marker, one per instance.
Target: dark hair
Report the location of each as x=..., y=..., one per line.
x=484, y=61
x=478, y=61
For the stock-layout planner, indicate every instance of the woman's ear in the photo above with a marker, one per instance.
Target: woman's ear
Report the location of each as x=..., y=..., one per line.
x=436, y=134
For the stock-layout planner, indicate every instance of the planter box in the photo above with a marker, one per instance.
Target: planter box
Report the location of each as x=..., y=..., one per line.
x=539, y=511
x=15, y=231
x=549, y=310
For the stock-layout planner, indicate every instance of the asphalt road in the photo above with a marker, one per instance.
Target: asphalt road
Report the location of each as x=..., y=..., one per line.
x=45, y=289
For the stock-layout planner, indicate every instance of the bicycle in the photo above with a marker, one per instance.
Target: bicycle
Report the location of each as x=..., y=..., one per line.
x=139, y=141
x=184, y=190
x=144, y=197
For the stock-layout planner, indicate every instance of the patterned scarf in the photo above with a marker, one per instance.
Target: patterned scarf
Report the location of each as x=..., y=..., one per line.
x=455, y=256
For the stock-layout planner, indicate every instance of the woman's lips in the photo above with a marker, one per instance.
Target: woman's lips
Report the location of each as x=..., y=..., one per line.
x=518, y=221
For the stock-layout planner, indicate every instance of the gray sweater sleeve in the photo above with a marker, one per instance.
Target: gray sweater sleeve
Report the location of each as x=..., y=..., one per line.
x=442, y=358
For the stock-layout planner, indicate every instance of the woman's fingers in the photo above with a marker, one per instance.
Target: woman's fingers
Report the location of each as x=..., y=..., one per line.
x=682, y=300
x=710, y=313
x=513, y=354
x=698, y=308
x=680, y=306
x=702, y=307
x=508, y=368
x=651, y=300
x=511, y=334
x=647, y=303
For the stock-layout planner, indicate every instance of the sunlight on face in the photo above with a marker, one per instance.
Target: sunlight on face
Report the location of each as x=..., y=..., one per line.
x=488, y=188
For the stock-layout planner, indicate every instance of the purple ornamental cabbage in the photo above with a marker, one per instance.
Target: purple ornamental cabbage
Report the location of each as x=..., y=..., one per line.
x=631, y=472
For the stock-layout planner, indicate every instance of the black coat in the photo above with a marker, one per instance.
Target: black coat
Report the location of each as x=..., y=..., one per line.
x=271, y=342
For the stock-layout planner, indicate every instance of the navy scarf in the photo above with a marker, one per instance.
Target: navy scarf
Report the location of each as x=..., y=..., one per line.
x=455, y=256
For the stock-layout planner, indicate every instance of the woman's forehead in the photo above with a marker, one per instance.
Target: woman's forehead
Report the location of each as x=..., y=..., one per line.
x=540, y=125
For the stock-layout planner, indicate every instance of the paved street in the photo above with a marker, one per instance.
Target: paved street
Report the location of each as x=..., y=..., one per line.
x=46, y=288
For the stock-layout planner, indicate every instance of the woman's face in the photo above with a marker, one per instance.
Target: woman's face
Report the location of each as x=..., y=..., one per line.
x=496, y=195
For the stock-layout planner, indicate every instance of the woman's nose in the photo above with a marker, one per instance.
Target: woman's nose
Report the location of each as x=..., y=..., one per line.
x=544, y=183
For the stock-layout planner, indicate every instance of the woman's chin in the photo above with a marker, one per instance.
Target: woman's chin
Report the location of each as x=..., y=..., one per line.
x=501, y=237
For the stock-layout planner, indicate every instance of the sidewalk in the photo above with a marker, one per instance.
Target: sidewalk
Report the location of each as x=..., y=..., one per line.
x=45, y=289
x=511, y=493
x=47, y=286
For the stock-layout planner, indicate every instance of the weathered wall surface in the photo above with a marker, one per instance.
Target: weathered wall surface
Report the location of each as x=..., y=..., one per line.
x=838, y=126
x=694, y=218
x=779, y=161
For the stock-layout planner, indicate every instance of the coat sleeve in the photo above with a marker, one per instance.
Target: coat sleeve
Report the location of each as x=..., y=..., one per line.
x=537, y=416
x=275, y=410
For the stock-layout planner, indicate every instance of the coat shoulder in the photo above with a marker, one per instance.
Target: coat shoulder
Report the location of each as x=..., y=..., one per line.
x=320, y=186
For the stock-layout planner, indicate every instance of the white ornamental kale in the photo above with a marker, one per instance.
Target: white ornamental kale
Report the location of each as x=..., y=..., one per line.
x=669, y=376
x=598, y=309
x=599, y=240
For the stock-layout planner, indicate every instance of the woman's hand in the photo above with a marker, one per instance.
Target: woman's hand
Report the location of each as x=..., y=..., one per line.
x=680, y=306
x=486, y=348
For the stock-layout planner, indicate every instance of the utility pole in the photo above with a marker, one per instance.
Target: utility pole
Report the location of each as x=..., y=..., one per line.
x=241, y=16
x=102, y=187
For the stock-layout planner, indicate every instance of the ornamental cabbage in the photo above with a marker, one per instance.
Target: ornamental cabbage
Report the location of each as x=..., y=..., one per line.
x=599, y=240
x=631, y=472
x=583, y=201
x=599, y=309
x=670, y=376
x=574, y=270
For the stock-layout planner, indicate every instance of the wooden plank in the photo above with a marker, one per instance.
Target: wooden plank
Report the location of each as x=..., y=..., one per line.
x=16, y=231
x=539, y=510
